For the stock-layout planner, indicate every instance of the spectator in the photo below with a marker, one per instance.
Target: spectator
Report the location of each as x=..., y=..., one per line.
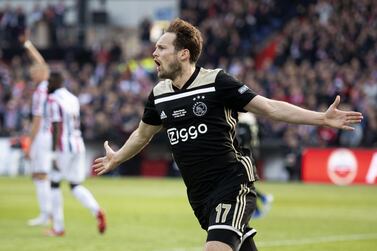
x=328, y=50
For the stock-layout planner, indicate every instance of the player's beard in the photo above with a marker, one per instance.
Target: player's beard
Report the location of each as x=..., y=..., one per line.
x=173, y=70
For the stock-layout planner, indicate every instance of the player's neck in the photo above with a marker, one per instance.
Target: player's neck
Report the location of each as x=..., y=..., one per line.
x=181, y=79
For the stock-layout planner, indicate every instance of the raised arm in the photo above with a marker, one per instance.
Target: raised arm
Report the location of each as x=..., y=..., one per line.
x=33, y=52
x=135, y=143
x=283, y=111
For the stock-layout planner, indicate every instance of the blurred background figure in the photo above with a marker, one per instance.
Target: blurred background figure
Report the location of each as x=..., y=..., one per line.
x=247, y=135
x=40, y=135
x=69, y=150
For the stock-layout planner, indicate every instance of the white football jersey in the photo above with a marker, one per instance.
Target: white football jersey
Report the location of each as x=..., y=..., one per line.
x=39, y=107
x=65, y=108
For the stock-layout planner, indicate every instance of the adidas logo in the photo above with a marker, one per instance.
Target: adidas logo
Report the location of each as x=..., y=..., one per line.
x=163, y=115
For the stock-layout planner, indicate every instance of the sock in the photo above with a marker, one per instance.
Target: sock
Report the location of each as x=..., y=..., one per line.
x=57, y=210
x=86, y=198
x=261, y=196
x=44, y=196
x=247, y=242
x=257, y=212
x=248, y=245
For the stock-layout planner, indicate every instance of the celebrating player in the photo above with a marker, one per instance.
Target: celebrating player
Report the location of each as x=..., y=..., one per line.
x=198, y=109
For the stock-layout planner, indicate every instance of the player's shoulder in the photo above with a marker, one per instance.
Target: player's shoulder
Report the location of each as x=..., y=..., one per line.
x=224, y=76
x=41, y=88
x=205, y=73
x=62, y=94
x=69, y=96
x=163, y=87
x=205, y=77
x=43, y=85
x=51, y=98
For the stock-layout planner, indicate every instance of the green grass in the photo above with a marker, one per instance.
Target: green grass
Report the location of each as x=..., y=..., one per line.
x=154, y=215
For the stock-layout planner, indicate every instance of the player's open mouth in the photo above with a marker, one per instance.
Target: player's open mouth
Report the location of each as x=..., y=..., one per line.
x=158, y=64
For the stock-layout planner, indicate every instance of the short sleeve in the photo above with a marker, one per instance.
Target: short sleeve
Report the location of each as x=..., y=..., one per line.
x=233, y=93
x=151, y=115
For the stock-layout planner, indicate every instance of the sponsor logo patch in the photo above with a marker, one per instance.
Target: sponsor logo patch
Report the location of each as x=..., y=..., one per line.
x=184, y=134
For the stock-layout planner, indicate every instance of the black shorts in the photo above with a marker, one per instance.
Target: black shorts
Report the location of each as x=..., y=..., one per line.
x=228, y=208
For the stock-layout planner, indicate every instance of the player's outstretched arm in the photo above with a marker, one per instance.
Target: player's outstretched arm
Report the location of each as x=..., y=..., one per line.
x=283, y=111
x=135, y=143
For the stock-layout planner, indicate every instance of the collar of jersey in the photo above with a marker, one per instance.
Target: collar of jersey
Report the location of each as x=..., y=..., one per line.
x=189, y=82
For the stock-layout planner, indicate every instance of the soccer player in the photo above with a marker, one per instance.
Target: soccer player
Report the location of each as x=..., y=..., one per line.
x=248, y=140
x=198, y=109
x=69, y=153
x=39, y=152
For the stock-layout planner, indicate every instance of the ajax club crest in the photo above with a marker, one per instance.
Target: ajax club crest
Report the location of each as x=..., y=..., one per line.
x=199, y=109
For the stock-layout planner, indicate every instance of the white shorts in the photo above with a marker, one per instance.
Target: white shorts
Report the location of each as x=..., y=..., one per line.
x=40, y=154
x=71, y=168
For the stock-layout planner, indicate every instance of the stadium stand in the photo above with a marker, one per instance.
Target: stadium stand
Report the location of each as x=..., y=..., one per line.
x=304, y=52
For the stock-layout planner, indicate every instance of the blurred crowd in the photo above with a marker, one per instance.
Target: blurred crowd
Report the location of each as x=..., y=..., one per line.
x=323, y=48
x=111, y=93
x=47, y=24
x=234, y=28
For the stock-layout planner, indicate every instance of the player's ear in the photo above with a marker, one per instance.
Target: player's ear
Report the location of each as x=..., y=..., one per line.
x=184, y=54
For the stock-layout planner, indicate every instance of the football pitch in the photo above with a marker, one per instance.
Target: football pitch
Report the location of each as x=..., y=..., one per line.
x=154, y=215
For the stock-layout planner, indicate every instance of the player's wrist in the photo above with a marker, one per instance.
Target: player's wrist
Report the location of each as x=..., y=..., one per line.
x=323, y=120
x=27, y=44
x=117, y=160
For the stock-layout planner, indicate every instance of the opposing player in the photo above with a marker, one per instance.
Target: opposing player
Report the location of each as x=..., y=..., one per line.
x=247, y=134
x=39, y=152
x=198, y=109
x=69, y=153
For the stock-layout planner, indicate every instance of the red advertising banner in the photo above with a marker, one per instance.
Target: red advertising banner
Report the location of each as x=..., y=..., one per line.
x=340, y=166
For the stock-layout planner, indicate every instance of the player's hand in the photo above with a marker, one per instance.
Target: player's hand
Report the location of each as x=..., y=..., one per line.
x=27, y=153
x=341, y=119
x=23, y=37
x=107, y=163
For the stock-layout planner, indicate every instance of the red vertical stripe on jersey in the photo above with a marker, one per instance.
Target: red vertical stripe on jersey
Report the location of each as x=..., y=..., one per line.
x=61, y=127
x=77, y=144
x=50, y=101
